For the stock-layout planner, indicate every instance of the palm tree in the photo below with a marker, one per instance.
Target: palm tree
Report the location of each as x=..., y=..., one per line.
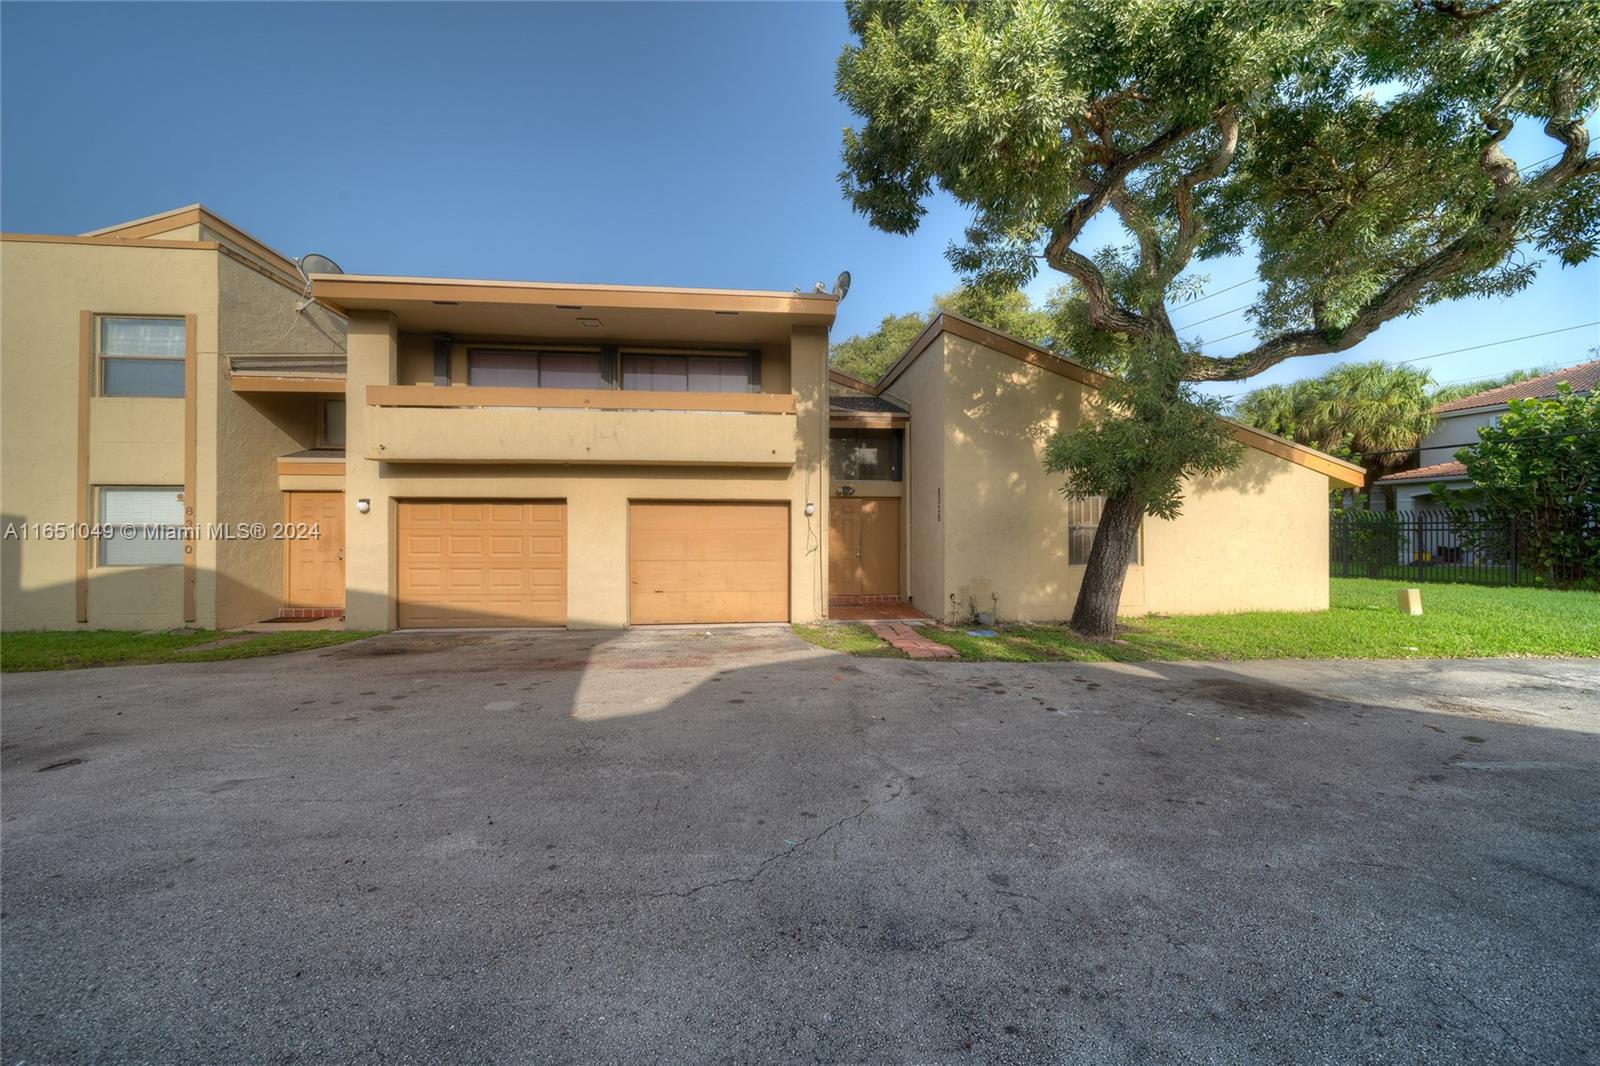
x=1372, y=413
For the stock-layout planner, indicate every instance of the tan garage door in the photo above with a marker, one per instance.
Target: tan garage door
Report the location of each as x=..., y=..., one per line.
x=482, y=563
x=708, y=562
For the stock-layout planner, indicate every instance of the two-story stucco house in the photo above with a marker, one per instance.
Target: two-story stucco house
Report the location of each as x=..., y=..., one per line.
x=424, y=452
x=152, y=374
x=1456, y=426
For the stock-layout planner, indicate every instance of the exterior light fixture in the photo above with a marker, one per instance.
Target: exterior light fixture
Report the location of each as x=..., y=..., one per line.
x=363, y=506
x=811, y=509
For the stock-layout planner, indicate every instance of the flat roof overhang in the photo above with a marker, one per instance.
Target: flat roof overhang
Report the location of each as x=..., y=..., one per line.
x=625, y=313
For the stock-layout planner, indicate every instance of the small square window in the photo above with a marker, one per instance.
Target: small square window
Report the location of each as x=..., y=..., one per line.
x=144, y=526
x=141, y=356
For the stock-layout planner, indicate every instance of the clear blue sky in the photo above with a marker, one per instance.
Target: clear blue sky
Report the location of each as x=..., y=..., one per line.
x=649, y=144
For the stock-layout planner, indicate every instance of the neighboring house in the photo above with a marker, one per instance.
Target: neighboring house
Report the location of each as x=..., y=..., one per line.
x=1456, y=426
x=153, y=374
x=485, y=453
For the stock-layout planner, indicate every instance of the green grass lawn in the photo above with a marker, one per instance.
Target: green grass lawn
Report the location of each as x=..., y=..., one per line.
x=115, y=647
x=1458, y=621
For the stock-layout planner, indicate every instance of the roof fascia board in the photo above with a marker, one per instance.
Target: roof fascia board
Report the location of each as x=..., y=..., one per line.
x=336, y=287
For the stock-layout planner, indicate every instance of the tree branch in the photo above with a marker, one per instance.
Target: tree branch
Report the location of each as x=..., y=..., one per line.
x=1496, y=229
x=1190, y=225
x=1104, y=312
x=1079, y=214
x=1569, y=129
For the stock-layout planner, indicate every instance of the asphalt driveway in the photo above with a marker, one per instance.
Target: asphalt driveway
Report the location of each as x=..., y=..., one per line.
x=678, y=846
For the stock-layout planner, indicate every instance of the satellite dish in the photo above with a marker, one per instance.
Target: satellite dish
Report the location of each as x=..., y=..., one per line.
x=841, y=288
x=318, y=264
x=309, y=265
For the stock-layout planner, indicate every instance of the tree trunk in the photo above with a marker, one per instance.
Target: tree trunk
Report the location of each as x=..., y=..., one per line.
x=1095, y=614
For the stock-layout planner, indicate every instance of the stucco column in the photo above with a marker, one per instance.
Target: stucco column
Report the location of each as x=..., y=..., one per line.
x=808, y=376
x=369, y=538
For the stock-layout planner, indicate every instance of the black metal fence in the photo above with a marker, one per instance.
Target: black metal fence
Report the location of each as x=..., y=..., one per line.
x=1470, y=547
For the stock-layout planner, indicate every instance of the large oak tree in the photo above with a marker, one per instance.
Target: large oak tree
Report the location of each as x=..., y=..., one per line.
x=1354, y=148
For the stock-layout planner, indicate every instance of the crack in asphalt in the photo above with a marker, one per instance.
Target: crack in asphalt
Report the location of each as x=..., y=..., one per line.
x=771, y=860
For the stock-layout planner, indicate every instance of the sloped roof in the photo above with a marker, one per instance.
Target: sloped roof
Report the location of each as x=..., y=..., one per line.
x=190, y=214
x=1338, y=470
x=1583, y=378
x=1436, y=472
x=871, y=404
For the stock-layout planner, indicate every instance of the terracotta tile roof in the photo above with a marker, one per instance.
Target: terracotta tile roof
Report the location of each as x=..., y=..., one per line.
x=1583, y=378
x=1427, y=473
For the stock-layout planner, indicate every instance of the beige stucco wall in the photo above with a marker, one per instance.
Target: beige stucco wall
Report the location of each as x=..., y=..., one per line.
x=43, y=288
x=257, y=316
x=596, y=496
x=1255, y=538
x=921, y=389
x=508, y=435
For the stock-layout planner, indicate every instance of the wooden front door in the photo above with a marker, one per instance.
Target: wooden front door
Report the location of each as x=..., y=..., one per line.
x=315, y=564
x=864, y=547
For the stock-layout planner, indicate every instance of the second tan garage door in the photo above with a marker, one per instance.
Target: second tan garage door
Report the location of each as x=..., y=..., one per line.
x=708, y=562
x=482, y=563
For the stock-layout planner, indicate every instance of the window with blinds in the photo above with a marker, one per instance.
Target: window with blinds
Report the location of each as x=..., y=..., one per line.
x=146, y=526
x=141, y=356
x=1083, y=520
x=535, y=369
x=665, y=372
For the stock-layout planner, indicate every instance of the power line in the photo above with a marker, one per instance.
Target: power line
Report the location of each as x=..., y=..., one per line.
x=1508, y=340
x=1219, y=292
x=1229, y=336
x=1213, y=318
x=1453, y=351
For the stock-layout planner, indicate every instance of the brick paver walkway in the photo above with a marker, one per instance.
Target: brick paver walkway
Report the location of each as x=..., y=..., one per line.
x=911, y=642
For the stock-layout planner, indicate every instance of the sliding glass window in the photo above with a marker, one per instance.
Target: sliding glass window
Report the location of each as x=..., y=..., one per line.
x=665, y=372
x=534, y=368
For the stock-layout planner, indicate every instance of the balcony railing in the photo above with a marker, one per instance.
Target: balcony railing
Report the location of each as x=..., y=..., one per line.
x=478, y=424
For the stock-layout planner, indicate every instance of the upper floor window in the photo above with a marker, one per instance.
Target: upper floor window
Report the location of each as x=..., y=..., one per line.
x=141, y=356
x=667, y=372
x=865, y=455
x=1083, y=520
x=535, y=369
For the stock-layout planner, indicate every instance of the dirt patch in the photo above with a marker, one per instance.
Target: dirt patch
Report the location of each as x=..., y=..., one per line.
x=1252, y=697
